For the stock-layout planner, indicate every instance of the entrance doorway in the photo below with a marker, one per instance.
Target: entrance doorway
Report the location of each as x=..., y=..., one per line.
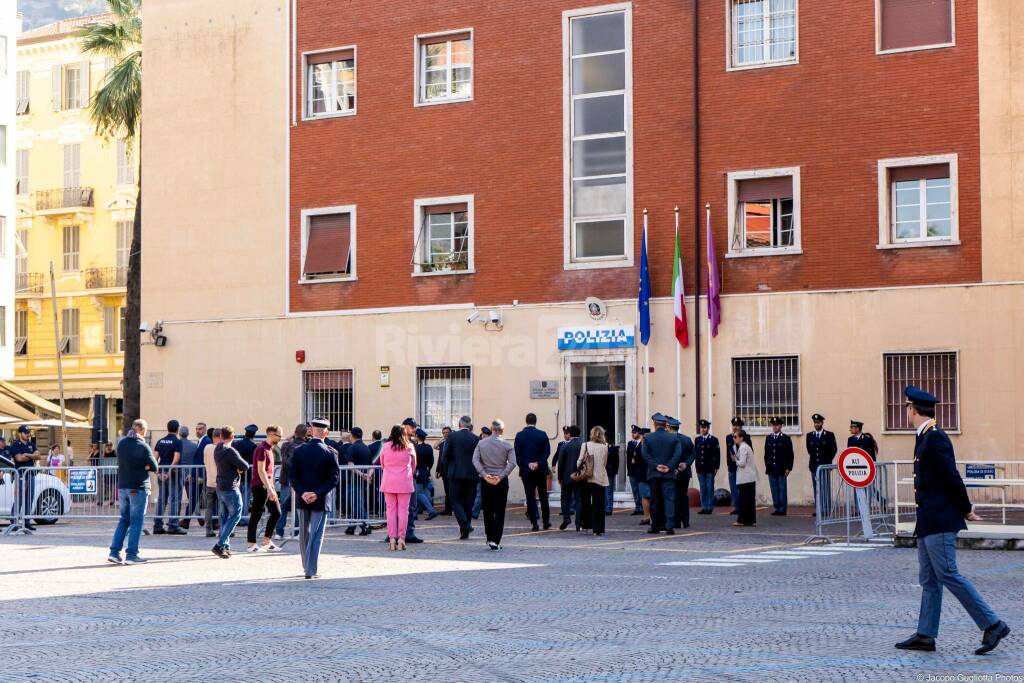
x=599, y=399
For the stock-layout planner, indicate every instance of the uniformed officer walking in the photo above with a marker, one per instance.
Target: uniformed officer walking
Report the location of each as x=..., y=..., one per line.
x=821, y=449
x=707, y=461
x=314, y=474
x=662, y=452
x=942, y=507
x=778, y=463
x=684, y=473
x=730, y=462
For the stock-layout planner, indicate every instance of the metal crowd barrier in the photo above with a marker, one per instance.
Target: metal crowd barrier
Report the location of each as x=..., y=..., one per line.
x=870, y=510
x=358, y=500
x=991, y=484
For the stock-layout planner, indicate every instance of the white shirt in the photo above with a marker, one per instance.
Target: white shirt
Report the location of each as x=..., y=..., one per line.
x=923, y=426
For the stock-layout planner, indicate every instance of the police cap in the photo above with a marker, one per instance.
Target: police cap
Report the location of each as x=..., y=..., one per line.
x=817, y=417
x=919, y=397
x=776, y=420
x=658, y=418
x=320, y=423
x=703, y=423
x=737, y=422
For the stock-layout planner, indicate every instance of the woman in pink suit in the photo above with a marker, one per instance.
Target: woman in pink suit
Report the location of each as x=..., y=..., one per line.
x=398, y=461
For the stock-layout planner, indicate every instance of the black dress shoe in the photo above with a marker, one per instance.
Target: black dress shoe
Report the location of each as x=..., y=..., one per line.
x=993, y=634
x=564, y=525
x=547, y=525
x=350, y=531
x=670, y=532
x=464, y=535
x=365, y=531
x=535, y=527
x=414, y=539
x=644, y=522
x=652, y=530
x=917, y=642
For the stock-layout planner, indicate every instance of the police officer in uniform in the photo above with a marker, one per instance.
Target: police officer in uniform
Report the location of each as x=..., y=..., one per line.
x=662, y=451
x=942, y=507
x=730, y=462
x=314, y=475
x=246, y=447
x=707, y=461
x=821, y=449
x=684, y=473
x=858, y=439
x=778, y=463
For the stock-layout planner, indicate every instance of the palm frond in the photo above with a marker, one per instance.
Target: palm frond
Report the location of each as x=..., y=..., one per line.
x=117, y=103
x=107, y=39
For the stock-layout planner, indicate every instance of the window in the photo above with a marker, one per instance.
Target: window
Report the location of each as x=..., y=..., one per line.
x=73, y=87
x=328, y=244
x=109, y=329
x=763, y=32
x=70, y=85
x=3, y=326
x=72, y=165
x=22, y=101
x=3, y=56
x=598, y=140
x=331, y=83
x=124, y=245
x=936, y=373
x=21, y=171
x=122, y=324
x=3, y=145
x=917, y=202
x=445, y=395
x=444, y=67
x=3, y=236
x=21, y=252
x=21, y=333
x=71, y=233
x=902, y=25
x=69, y=341
x=327, y=395
x=444, y=235
x=125, y=164
x=766, y=387
x=764, y=216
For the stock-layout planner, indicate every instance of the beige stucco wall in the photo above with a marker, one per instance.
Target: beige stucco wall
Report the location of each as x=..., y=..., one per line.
x=1001, y=87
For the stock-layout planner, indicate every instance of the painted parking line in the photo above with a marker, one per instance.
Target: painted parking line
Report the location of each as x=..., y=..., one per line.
x=767, y=556
x=701, y=564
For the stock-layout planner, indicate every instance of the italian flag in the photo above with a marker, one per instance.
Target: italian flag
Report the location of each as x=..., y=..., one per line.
x=678, y=297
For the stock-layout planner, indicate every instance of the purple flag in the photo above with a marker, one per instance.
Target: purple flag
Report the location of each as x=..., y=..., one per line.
x=714, y=283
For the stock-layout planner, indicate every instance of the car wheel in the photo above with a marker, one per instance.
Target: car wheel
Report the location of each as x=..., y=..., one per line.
x=49, y=507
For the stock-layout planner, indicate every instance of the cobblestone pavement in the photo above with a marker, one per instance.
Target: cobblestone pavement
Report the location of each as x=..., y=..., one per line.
x=552, y=606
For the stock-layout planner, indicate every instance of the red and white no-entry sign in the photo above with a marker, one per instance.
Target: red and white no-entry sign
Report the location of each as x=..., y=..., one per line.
x=856, y=467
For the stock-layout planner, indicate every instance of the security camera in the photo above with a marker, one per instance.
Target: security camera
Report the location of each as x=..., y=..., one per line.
x=472, y=317
x=144, y=327
x=493, y=316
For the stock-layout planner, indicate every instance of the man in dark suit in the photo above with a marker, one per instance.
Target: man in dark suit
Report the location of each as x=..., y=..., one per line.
x=636, y=469
x=246, y=447
x=462, y=475
x=662, y=451
x=684, y=474
x=821, y=449
x=566, y=456
x=707, y=461
x=778, y=463
x=942, y=508
x=442, y=469
x=533, y=448
x=314, y=474
x=730, y=461
x=358, y=481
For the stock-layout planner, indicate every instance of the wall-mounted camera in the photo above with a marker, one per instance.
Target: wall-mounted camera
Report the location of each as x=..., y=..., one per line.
x=156, y=335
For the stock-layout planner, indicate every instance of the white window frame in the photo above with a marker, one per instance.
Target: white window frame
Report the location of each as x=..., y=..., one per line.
x=756, y=429
x=419, y=66
x=304, y=226
x=71, y=98
x=916, y=48
x=419, y=210
x=886, y=236
x=419, y=391
x=733, y=179
x=21, y=171
x=72, y=257
x=125, y=166
x=731, y=66
x=569, y=262
x=307, y=90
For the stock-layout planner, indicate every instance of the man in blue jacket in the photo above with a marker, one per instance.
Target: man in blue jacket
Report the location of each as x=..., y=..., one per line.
x=662, y=451
x=942, y=508
x=134, y=463
x=532, y=448
x=314, y=474
x=684, y=474
x=778, y=463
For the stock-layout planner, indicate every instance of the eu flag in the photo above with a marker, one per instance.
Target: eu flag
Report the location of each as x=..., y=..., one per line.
x=644, y=299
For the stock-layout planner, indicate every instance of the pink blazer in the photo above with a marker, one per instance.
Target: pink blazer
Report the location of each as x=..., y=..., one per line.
x=398, y=467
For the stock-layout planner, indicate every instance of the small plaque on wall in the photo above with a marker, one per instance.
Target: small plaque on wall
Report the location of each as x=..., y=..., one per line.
x=385, y=375
x=544, y=388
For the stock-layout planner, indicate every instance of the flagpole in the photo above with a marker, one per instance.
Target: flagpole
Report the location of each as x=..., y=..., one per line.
x=679, y=368
x=647, y=359
x=711, y=400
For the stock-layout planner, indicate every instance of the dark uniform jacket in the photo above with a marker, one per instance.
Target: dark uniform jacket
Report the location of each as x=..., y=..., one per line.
x=708, y=454
x=939, y=491
x=424, y=461
x=567, y=456
x=314, y=468
x=635, y=465
x=865, y=442
x=358, y=454
x=820, y=451
x=662, y=447
x=459, y=454
x=778, y=454
x=730, y=449
x=532, y=446
x=246, y=448
x=688, y=456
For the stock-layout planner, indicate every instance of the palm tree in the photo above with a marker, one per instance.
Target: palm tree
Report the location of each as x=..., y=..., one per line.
x=116, y=112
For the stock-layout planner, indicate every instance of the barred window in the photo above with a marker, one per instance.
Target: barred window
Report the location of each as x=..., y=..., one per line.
x=327, y=394
x=936, y=373
x=445, y=394
x=767, y=387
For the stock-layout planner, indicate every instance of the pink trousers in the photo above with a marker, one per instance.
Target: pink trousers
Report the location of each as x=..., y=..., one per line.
x=397, y=505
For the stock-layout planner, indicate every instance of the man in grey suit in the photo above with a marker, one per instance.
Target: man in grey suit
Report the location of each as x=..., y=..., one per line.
x=462, y=475
x=662, y=451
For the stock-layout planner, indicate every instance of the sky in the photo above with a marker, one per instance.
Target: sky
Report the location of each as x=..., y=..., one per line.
x=39, y=12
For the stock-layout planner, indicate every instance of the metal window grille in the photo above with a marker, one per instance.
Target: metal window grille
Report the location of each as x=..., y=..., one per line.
x=327, y=394
x=767, y=387
x=936, y=373
x=444, y=395
x=69, y=342
x=71, y=247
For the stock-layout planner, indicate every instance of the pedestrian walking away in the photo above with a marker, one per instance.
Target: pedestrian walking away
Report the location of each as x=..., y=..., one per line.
x=264, y=495
x=494, y=459
x=231, y=471
x=567, y=454
x=135, y=462
x=213, y=513
x=314, y=473
x=169, y=480
x=462, y=476
x=398, y=462
x=533, y=447
x=943, y=509
x=707, y=462
x=246, y=447
x=592, y=482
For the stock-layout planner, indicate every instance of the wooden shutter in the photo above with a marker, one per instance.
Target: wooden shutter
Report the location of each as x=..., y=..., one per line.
x=915, y=23
x=83, y=84
x=754, y=189
x=328, y=244
x=55, y=78
x=929, y=172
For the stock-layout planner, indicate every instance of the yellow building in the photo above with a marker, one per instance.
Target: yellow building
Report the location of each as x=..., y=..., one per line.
x=75, y=203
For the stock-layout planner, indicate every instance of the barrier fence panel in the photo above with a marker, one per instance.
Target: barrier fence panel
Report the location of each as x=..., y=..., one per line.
x=10, y=488
x=861, y=512
x=995, y=487
x=357, y=499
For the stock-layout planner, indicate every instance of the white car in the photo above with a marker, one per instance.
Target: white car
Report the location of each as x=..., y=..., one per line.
x=51, y=496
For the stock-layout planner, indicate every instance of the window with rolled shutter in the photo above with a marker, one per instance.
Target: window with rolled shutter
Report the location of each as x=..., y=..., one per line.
x=910, y=24
x=328, y=246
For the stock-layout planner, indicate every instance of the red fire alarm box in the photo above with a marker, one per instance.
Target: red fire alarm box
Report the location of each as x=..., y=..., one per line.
x=300, y=356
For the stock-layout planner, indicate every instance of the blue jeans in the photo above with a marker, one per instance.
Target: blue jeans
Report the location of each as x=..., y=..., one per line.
x=707, y=490
x=609, y=498
x=168, y=501
x=778, y=487
x=477, y=503
x=246, y=496
x=634, y=486
x=357, y=499
x=936, y=557
x=133, y=515
x=231, y=512
x=286, y=508
x=423, y=499
x=311, y=538
x=733, y=490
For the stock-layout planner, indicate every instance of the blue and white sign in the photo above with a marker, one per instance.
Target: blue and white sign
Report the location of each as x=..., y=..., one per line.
x=82, y=480
x=601, y=337
x=980, y=471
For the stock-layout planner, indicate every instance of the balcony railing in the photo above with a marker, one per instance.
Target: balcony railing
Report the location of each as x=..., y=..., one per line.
x=104, y=278
x=28, y=283
x=64, y=198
